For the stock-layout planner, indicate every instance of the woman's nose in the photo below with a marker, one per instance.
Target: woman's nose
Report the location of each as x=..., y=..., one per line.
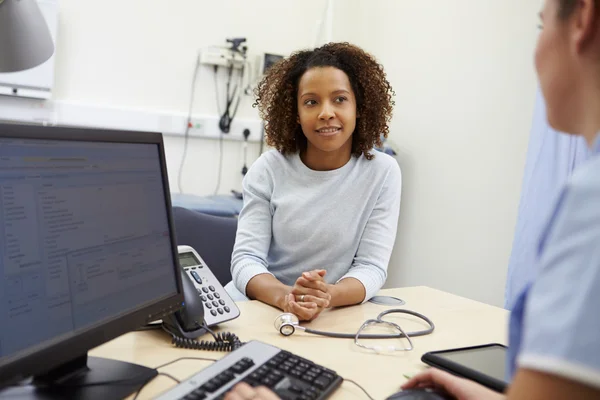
x=326, y=112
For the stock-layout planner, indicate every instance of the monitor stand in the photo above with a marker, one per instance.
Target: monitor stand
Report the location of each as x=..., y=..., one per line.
x=85, y=378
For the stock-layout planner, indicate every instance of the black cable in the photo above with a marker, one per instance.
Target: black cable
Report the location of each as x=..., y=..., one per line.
x=219, y=171
x=360, y=387
x=185, y=358
x=149, y=380
x=188, y=123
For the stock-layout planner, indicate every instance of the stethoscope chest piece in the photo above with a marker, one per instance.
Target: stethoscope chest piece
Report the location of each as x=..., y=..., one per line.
x=286, y=323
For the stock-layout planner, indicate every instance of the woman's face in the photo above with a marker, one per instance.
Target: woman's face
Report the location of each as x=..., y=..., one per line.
x=556, y=70
x=327, y=110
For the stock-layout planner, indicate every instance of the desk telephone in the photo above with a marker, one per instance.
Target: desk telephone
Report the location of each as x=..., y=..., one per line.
x=206, y=304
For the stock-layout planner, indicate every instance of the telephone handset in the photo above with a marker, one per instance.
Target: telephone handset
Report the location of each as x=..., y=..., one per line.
x=206, y=304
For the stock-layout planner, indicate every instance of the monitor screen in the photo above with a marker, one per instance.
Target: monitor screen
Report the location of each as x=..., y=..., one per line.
x=84, y=238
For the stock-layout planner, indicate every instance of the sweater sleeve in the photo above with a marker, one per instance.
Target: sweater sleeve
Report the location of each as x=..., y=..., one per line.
x=377, y=241
x=253, y=236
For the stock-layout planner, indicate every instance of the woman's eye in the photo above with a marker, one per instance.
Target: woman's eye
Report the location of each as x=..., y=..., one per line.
x=310, y=103
x=340, y=99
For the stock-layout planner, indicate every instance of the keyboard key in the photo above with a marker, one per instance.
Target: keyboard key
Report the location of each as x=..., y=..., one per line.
x=242, y=365
x=303, y=365
x=328, y=375
x=255, y=376
x=251, y=382
x=283, y=395
x=209, y=387
x=295, y=389
x=194, y=396
x=321, y=382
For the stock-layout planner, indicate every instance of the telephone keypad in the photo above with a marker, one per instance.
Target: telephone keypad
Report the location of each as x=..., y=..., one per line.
x=220, y=311
x=213, y=312
x=227, y=309
x=215, y=303
x=208, y=305
x=205, y=290
x=212, y=288
x=210, y=297
x=217, y=295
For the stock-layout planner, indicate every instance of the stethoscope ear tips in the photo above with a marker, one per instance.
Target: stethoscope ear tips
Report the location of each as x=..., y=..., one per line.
x=286, y=323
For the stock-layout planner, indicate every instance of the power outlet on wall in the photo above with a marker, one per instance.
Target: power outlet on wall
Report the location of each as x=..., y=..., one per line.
x=208, y=127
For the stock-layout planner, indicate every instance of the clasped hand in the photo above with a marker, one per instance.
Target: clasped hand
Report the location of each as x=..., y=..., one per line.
x=309, y=296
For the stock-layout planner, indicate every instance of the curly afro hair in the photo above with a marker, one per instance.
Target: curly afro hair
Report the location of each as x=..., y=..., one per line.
x=276, y=97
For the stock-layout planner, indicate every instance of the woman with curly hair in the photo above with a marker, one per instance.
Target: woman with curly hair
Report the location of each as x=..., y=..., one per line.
x=320, y=210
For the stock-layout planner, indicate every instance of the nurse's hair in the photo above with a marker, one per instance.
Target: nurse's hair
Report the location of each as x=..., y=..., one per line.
x=566, y=7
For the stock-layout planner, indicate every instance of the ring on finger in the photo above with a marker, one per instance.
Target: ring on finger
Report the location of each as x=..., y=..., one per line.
x=302, y=297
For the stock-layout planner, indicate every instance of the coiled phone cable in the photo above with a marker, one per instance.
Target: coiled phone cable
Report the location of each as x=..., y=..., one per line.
x=223, y=341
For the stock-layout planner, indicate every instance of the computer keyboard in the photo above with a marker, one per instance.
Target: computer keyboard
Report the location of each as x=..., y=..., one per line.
x=259, y=364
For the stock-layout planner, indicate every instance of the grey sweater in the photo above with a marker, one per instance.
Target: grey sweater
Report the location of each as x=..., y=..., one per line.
x=295, y=219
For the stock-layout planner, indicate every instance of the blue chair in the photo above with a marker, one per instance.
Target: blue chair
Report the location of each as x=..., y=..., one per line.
x=211, y=236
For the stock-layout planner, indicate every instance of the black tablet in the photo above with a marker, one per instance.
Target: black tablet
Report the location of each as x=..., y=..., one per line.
x=485, y=364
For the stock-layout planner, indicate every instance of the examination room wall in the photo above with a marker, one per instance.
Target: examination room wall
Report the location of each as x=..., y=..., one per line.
x=465, y=82
x=139, y=55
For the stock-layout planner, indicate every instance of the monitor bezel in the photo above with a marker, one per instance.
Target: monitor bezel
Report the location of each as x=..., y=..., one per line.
x=56, y=352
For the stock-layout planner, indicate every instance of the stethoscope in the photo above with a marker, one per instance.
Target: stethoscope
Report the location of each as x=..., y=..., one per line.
x=287, y=323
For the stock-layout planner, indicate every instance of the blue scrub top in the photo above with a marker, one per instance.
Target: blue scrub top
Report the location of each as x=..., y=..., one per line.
x=555, y=322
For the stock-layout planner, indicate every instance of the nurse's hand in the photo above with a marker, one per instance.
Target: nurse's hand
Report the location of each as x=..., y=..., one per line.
x=459, y=388
x=243, y=391
x=311, y=287
x=304, y=310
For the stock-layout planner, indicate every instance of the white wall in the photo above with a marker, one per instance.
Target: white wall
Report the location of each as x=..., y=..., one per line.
x=465, y=83
x=140, y=55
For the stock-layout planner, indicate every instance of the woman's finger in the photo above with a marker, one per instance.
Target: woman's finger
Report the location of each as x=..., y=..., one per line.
x=319, y=301
x=303, y=311
x=300, y=290
x=318, y=285
x=315, y=275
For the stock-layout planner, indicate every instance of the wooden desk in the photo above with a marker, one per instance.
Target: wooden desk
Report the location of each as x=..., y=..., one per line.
x=459, y=322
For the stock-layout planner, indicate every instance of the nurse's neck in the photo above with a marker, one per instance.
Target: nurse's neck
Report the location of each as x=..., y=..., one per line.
x=590, y=114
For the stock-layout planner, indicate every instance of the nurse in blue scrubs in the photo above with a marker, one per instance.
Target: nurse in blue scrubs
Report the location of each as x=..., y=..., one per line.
x=554, y=338
x=554, y=341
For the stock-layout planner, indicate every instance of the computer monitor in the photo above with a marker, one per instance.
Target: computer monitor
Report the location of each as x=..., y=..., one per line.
x=87, y=253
